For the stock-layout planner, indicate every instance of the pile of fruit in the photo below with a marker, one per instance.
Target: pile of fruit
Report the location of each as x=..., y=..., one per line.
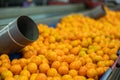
x=79, y=48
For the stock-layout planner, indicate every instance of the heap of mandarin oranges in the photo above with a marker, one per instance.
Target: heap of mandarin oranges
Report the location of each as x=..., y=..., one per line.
x=79, y=48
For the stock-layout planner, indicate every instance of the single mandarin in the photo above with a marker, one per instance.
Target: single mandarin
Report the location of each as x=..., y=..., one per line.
x=63, y=70
x=32, y=67
x=16, y=68
x=44, y=67
x=41, y=76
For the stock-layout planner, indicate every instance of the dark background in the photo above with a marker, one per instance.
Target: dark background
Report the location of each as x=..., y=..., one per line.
x=18, y=3
x=12, y=3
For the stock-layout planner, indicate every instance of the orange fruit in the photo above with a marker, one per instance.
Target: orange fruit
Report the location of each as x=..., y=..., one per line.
x=5, y=60
x=82, y=53
x=52, y=46
x=91, y=73
x=69, y=46
x=42, y=51
x=73, y=72
x=79, y=78
x=36, y=60
x=52, y=39
x=49, y=78
x=75, y=50
x=92, y=55
x=82, y=71
x=75, y=65
x=101, y=64
x=111, y=62
x=66, y=77
x=22, y=77
x=88, y=60
x=6, y=73
x=7, y=65
x=100, y=53
x=90, y=65
x=32, y=67
x=97, y=39
x=33, y=76
x=70, y=58
x=64, y=64
x=25, y=72
x=29, y=54
x=75, y=43
x=87, y=39
x=23, y=62
x=59, y=52
x=9, y=78
x=106, y=68
x=16, y=68
x=2, y=69
x=41, y=76
x=106, y=50
x=4, y=56
x=55, y=64
x=100, y=71
x=0, y=62
x=16, y=77
x=60, y=58
x=63, y=70
x=56, y=78
x=51, y=55
x=90, y=79
x=66, y=51
x=84, y=43
x=113, y=56
x=44, y=67
x=15, y=61
x=105, y=57
x=52, y=72
x=96, y=58
x=82, y=60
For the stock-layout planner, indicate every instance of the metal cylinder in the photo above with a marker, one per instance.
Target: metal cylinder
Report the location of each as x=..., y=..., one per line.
x=96, y=13
x=17, y=34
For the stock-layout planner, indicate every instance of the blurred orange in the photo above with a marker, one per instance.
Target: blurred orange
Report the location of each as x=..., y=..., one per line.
x=41, y=76
x=25, y=72
x=91, y=73
x=15, y=69
x=75, y=65
x=63, y=69
x=73, y=72
x=32, y=67
x=55, y=64
x=44, y=67
x=52, y=72
x=83, y=71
